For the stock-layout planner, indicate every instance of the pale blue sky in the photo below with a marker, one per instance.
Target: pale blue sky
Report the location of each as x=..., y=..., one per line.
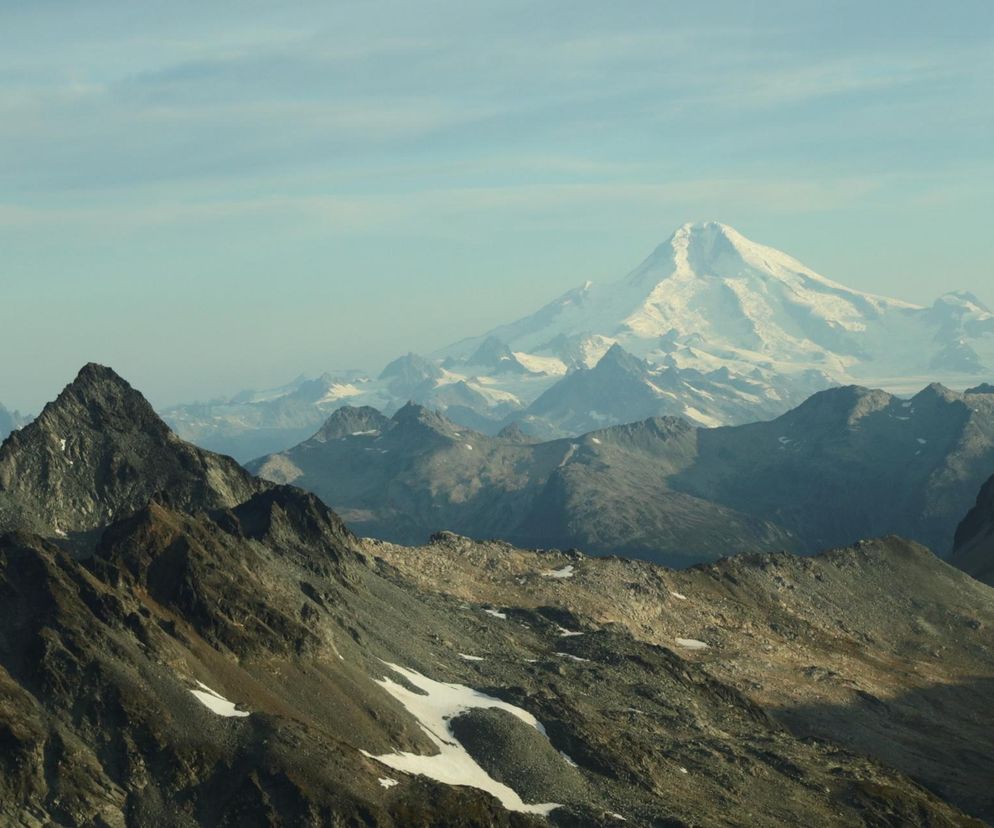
x=211, y=196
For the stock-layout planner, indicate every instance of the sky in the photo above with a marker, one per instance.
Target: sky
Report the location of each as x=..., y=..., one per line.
x=217, y=196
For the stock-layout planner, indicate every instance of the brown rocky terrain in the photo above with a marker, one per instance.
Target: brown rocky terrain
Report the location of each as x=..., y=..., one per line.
x=880, y=647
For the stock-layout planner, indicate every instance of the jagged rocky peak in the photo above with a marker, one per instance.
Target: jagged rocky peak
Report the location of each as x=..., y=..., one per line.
x=494, y=354
x=839, y=406
x=99, y=452
x=416, y=416
x=935, y=392
x=408, y=375
x=99, y=397
x=514, y=433
x=351, y=420
x=286, y=517
x=617, y=359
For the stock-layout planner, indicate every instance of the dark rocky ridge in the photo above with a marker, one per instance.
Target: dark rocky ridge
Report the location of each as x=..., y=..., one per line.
x=846, y=464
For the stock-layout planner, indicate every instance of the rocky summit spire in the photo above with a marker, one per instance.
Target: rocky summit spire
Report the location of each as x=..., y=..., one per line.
x=98, y=452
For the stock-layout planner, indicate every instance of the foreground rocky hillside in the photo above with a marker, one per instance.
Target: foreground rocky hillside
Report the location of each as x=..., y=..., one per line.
x=879, y=647
x=228, y=653
x=848, y=463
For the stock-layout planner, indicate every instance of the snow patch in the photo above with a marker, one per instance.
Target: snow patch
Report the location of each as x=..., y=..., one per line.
x=569, y=454
x=679, y=595
x=468, y=657
x=496, y=614
x=565, y=572
x=339, y=391
x=387, y=782
x=700, y=417
x=434, y=708
x=574, y=657
x=215, y=702
x=540, y=364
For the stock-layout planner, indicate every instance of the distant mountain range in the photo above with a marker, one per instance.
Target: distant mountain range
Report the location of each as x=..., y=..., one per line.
x=848, y=463
x=185, y=645
x=711, y=327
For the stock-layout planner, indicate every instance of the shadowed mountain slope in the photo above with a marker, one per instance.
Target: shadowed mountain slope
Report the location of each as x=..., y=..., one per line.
x=974, y=548
x=848, y=463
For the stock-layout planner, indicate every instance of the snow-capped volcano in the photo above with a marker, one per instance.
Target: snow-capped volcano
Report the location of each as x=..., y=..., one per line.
x=711, y=327
x=708, y=297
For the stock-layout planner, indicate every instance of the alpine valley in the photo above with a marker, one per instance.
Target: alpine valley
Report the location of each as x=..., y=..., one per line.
x=711, y=327
x=184, y=644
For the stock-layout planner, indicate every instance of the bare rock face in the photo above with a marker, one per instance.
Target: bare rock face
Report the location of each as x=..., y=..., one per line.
x=99, y=452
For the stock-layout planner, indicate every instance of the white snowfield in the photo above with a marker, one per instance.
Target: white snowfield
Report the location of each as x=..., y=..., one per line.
x=434, y=707
x=216, y=703
x=565, y=572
